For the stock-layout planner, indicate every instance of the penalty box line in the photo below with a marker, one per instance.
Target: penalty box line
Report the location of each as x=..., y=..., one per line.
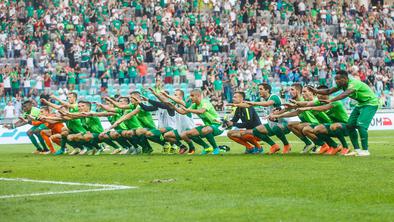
x=103, y=187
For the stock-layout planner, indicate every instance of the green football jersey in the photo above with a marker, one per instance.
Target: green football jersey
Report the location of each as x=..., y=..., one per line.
x=363, y=94
x=210, y=116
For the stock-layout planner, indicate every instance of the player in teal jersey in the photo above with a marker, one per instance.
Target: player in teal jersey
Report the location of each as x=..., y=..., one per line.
x=31, y=113
x=270, y=102
x=362, y=114
x=211, y=128
x=338, y=115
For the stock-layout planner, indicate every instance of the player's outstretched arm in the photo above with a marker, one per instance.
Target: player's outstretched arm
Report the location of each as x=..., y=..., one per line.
x=63, y=103
x=117, y=104
x=340, y=96
x=317, y=108
x=101, y=114
x=323, y=91
x=286, y=114
x=106, y=107
x=123, y=118
x=54, y=106
x=175, y=99
x=263, y=103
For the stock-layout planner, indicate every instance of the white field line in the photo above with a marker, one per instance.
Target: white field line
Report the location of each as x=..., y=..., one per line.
x=104, y=187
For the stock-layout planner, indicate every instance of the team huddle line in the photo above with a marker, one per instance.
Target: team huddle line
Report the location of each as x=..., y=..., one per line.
x=322, y=119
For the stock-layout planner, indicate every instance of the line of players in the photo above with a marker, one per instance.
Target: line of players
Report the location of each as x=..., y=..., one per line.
x=322, y=118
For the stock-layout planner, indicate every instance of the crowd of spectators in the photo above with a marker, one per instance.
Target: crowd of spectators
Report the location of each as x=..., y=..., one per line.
x=219, y=45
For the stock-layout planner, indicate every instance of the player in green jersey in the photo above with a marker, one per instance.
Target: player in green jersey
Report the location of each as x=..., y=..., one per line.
x=338, y=115
x=211, y=128
x=308, y=119
x=362, y=114
x=73, y=126
x=124, y=129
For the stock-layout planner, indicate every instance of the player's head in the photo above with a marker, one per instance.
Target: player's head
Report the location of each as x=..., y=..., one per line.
x=72, y=97
x=27, y=105
x=238, y=97
x=196, y=95
x=295, y=90
x=44, y=110
x=124, y=100
x=264, y=89
x=179, y=94
x=320, y=96
x=84, y=106
x=135, y=94
x=307, y=94
x=341, y=78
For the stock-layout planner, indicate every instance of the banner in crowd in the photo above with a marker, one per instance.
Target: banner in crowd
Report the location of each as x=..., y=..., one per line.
x=381, y=121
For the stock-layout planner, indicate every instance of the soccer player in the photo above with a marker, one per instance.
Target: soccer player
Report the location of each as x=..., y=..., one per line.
x=249, y=120
x=211, y=128
x=338, y=115
x=183, y=122
x=362, y=114
x=273, y=127
x=306, y=117
x=123, y=128
x=54, y=128
x=73, y=126
x=35, y=130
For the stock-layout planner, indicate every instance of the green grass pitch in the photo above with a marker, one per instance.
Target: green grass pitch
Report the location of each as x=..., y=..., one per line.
x=229, y=187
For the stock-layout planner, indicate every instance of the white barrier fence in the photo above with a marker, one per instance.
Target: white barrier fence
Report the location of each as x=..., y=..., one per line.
x=381, y=121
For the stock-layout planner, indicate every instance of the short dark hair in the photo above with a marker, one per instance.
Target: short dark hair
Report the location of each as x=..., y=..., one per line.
x=26, y=102
x=322, y=87
x=241, y=93
x=135, y=92
x=266, y=86
x=343, y=73
x=124, y=97
x=86, y=102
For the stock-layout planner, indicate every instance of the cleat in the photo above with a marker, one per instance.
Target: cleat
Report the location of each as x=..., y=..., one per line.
x=46, y=152
x=344, y=151
x=116, y=151
x=59, y=152
x=83, y=152
x=249, y=151
x=334, y=151
x=329, y=151
x=207, y=150
x=363, y=153
x=274, y=148
x=125, y=151
x=36, y=152
x=324, y=149
x=216, y=151
x=75, y=151
x=286, y=149
x=191, y=152
x=182, y=149
x=257, y=150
